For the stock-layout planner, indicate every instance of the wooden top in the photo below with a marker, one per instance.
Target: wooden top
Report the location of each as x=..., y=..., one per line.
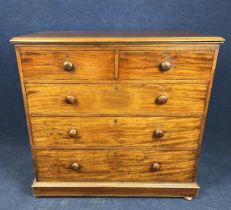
x=57, y=37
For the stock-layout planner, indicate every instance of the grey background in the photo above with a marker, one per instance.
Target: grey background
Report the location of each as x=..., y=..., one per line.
x=21, y=17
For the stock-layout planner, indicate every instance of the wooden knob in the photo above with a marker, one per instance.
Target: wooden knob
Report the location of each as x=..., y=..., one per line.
x=75, y=166
x=68, y=66
x=70, y=99
x=73, y=133
x=155, y=167
x=161, y=99
x=165, y=66
x=158, y=133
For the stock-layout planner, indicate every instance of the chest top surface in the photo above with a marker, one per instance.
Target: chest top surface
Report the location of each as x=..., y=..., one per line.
x=114, y=37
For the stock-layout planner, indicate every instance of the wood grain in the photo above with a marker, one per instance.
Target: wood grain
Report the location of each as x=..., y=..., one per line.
x=206, y=109
x=25, y=103
x=115, y=165
x=144, y=189
x=42, y=65
x=110, y=99
x=146, y=64
x=179, y=133
x=116, y=80
x=68, y=37
x=160, y=46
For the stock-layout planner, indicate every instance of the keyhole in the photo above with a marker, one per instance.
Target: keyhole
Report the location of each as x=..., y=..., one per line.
x=115, y=121
x=166, y=57
x=115, y=88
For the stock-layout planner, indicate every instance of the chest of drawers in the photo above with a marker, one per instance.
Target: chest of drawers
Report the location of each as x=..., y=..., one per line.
x=115, y=113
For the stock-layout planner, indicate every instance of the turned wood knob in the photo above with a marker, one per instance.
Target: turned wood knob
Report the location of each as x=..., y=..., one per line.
x=75, y=166
x=155, y=167
x=68, y=66
x=70, y=99
x=73, y=133
x=158, y=133
x=165, y=66
x=161, y=99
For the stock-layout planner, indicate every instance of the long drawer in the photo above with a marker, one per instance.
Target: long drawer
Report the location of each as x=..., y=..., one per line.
x=71, y=65
x=114, y=165
x=152, y=99
x=147, y=65
x=69, y=132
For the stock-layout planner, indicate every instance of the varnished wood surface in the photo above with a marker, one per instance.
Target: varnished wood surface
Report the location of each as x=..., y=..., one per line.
x=179, y=133
x=102, y=65
x=115, y=165
x=145, y=65
x=117, y=184
x=49, y=65
x=206, y=108
x=115, y=81
x=145, y=189
x=23, y=88
x=162, y=46
x=119, y=36
x=111, y=99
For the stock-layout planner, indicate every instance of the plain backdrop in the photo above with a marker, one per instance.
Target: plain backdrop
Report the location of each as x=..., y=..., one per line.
x=26, y=16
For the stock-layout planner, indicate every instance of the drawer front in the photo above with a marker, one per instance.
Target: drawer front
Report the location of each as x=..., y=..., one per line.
x=81, y=65
x=114, y=165
x=137, y=132
x=58, y=99
x=147, y=64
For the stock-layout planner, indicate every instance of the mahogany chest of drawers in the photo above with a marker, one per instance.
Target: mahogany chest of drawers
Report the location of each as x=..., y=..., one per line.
x=115, y=113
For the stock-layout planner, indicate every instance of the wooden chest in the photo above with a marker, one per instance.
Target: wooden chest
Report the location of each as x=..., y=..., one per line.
x=115, y=113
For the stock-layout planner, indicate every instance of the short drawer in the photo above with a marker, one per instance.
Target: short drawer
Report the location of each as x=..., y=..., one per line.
x=72, y=65
x=149, y=65
x=139, y=99
x=166, y=132
x=114, y=165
